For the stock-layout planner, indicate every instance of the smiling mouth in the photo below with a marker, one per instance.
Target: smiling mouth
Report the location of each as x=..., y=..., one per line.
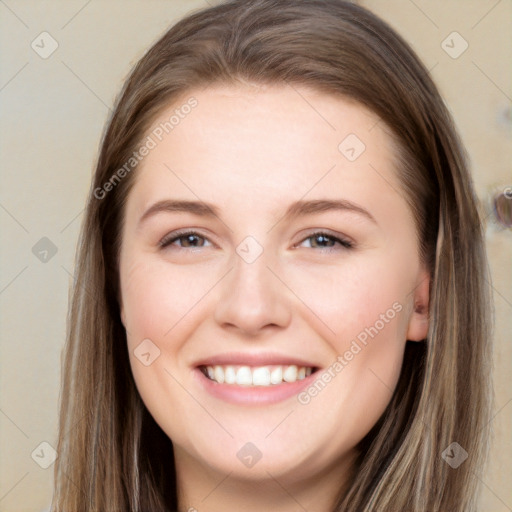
x=266, y=376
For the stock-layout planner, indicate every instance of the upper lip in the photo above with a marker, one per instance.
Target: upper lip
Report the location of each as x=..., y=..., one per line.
x=253, y=359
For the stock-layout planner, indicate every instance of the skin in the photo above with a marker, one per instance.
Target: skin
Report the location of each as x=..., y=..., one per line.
x=252, y=151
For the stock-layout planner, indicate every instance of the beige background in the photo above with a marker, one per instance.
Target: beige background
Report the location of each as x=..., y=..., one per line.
x=53, y=114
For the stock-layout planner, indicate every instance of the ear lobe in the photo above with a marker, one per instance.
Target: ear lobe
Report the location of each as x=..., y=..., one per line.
x=419, y=319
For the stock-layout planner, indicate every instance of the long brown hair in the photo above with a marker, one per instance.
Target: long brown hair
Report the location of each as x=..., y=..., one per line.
x=112, y=454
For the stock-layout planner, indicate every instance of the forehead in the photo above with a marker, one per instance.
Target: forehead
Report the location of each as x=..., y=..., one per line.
x=258, y=145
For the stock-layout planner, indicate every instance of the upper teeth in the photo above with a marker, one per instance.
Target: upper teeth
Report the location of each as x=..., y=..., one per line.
x=257, y=375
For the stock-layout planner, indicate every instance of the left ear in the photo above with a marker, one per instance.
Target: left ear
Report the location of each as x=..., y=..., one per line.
x=419, y=320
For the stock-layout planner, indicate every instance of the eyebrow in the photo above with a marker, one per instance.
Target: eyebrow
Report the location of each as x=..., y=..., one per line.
x=198, y=208
x=296, y=209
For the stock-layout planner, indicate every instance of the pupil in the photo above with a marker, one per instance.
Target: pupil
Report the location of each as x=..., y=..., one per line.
x=191, y=239
x=322, y=239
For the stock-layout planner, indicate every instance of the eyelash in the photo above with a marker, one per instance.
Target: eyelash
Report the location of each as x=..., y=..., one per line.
x=169, y=239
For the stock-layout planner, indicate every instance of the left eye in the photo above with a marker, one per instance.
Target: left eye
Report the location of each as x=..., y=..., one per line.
x=188, y=239
x=320, y=238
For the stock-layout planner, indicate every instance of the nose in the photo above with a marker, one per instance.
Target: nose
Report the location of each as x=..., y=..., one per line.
x=252, y=298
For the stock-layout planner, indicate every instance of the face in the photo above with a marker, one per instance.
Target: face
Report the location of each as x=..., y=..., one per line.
x=269, y=294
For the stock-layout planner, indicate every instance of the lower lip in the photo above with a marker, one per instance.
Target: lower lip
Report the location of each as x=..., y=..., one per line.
x=253, y=395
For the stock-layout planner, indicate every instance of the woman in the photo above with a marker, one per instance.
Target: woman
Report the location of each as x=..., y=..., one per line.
x=280, y=288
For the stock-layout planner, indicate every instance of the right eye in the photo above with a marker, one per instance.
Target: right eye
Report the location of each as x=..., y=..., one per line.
x=188, y=239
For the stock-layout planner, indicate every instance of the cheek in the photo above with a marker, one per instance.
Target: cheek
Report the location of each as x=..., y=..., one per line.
x=156, y=297
x=364, y=320
x=351, y=298
x=160, y=305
